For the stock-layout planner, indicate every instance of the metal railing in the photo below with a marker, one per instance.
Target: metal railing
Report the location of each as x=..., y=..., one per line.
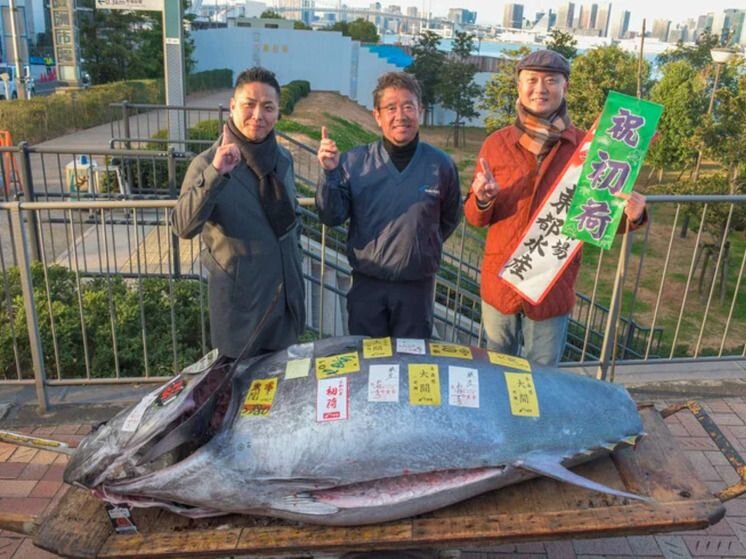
x=108, y=262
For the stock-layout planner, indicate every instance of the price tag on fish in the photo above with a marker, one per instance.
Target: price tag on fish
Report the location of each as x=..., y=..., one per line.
x=509, y=361
x=522, y=393
x=171, y=391
x=410, y=345
x=450, y=350
x=463, y=387
x=383, y=383
x=297, y=368
x=337, y=365
x=424, y=385
x=377, y=347
x=332, y=399
x=259, y=398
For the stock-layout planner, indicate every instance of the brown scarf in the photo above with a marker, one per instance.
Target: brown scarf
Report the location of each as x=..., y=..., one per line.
x=540, y=134
x=262, y=158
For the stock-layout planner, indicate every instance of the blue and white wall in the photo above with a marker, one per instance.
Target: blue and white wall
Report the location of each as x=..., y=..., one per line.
x=327, y=59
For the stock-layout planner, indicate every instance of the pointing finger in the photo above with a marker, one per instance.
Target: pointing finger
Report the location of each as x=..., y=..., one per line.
x=622, y=195
x=324, y=134
x=486, y=169
x=225, y=141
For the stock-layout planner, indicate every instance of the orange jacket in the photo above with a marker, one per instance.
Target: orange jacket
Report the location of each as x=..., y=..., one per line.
x=523, y=186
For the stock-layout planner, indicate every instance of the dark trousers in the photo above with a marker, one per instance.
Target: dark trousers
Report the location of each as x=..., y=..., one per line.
x=380, y=308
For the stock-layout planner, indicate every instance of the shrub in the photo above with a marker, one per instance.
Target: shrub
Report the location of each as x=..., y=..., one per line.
x=41, y=118
x=290, y=93
x=210, y=79
x=109, y=309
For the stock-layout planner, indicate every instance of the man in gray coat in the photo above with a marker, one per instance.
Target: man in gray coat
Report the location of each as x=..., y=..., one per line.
x=240, y=195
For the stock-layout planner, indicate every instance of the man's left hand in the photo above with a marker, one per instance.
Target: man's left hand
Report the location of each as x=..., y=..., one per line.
x=634, y=206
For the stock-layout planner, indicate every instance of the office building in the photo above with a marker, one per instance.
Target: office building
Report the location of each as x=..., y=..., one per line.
x=513, y=16
x=661, y=28
x=603, y=17
x=620, y=25
x=565, y=15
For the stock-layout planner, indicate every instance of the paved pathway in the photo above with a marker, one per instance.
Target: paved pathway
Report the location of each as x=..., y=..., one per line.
x=31, y=482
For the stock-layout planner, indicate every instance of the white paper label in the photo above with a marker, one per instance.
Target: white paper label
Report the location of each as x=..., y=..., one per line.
x=383, y=383
x=410, y=345
x=332, y=399
x=463, y=387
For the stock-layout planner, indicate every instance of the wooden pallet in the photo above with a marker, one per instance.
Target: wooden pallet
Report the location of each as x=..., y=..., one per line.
x=540, y=509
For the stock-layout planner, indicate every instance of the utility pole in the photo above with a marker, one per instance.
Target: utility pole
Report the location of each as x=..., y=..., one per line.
x=17, y=62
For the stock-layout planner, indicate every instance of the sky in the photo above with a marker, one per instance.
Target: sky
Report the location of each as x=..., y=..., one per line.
x=490, y=11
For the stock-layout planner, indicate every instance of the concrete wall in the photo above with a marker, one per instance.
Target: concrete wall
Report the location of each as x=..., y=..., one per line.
x=328, y=60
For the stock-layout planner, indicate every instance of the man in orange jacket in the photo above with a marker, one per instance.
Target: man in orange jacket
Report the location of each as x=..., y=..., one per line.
x=516, y=167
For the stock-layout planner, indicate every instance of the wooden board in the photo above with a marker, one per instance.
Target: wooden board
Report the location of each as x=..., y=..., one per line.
x=539, y=509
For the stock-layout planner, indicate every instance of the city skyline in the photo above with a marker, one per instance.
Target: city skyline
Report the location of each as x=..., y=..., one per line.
x=491, y=12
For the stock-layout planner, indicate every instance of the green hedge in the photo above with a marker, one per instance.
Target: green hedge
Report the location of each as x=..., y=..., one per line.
x=42, y=118
x=291, y=93
x=101, y=299
x=210, y=79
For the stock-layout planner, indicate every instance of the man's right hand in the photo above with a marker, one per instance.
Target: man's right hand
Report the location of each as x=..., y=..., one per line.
x=484, y=185
x=227, y=157
x=328, y=153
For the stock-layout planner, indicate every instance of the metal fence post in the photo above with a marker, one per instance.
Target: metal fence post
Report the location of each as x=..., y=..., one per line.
x=32, y=321
x=221, y=119
x=173, y=192
x=608, y=346
x=27, y=184
x=126, y=123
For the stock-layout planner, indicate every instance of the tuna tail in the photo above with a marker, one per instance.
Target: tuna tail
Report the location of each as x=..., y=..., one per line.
x=197, y=426
x=551, y=466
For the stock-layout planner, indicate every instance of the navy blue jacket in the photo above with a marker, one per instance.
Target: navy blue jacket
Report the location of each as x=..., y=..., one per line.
x=398, y=220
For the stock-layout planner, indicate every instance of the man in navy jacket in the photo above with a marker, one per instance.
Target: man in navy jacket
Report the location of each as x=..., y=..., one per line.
x=402, y=198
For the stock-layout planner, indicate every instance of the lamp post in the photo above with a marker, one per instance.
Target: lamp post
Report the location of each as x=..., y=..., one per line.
x=719, y=56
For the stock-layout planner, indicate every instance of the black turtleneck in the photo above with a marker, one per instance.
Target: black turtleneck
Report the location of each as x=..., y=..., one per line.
x=401, y=155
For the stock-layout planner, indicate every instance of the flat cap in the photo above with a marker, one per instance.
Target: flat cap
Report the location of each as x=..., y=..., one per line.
x=544, y=61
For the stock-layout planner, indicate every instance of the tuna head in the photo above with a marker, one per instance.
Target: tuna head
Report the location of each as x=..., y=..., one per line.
x=151, y=434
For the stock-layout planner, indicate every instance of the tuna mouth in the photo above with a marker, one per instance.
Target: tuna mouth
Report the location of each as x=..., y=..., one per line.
x=110, y=454
x=200, y=421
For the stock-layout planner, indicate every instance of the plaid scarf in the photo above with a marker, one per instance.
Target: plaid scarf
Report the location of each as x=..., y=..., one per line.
x=540, y=134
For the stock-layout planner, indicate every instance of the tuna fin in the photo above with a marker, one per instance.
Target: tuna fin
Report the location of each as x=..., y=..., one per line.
x=304, y=503
x=550, y=466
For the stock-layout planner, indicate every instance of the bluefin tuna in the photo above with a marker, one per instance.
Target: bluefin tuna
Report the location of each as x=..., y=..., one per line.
x=347, y=431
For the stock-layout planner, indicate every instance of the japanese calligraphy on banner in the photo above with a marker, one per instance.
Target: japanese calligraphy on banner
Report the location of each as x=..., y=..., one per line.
x=614, y=159
x=543, y=251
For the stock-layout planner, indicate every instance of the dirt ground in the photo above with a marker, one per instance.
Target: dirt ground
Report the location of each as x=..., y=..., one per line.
x=310, y=111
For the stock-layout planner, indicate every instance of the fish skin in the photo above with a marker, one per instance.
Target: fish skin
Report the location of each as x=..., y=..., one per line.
x=386, y=461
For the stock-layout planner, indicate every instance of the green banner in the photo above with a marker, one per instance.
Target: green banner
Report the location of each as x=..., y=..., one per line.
x=614, y=159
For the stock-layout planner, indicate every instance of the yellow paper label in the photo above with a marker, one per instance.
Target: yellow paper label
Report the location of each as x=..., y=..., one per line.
x=259, y=399
x=337, y=365
x=522, y=393
x=424, y=385
x=297, y=368
x=509, y=361
x=377, y=347
x=450, y=350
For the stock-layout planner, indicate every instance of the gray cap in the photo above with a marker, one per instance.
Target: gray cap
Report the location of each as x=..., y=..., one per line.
x=544, y=61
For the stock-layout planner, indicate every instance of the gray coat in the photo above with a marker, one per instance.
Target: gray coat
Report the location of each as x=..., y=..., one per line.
x=245, y=260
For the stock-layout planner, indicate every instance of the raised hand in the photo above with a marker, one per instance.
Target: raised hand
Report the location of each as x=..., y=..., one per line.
x=634, y=206
x=484, y=185
x=328, y=153
x=227, y=156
